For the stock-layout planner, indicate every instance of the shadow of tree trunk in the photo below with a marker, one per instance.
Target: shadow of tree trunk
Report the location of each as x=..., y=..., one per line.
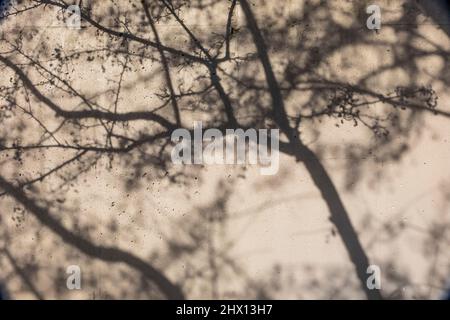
x=339, y=215
x=110, y=254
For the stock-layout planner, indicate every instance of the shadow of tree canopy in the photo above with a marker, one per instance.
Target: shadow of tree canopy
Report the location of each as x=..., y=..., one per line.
x=110, y=95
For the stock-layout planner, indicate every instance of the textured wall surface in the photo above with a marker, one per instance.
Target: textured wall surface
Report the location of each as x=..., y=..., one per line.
x=373, y=106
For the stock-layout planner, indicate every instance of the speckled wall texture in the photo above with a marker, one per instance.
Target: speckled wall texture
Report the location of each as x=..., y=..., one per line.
x=87, y=178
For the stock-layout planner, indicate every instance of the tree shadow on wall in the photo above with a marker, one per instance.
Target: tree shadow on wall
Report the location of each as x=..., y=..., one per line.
x=78, y=104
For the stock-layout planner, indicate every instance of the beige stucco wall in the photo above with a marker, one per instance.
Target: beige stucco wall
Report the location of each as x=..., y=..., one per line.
x=274, y=237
